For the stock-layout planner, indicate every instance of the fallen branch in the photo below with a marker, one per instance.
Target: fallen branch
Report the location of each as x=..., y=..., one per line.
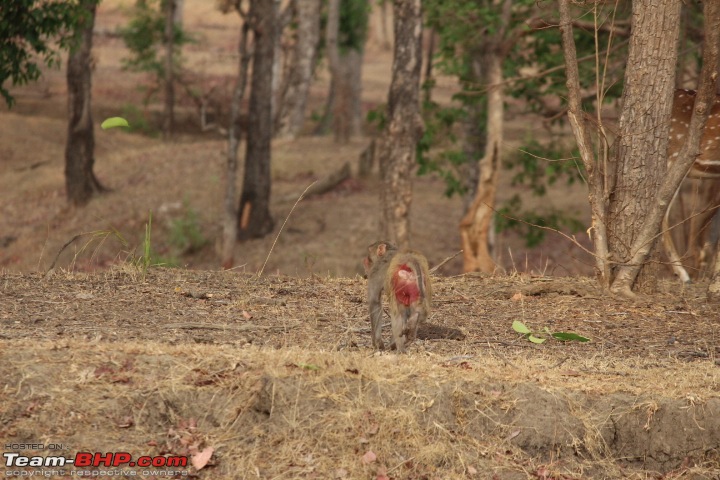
x=436, y=267
x=323, y=185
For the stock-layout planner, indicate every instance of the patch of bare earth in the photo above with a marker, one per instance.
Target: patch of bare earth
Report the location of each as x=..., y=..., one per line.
x=277, y=376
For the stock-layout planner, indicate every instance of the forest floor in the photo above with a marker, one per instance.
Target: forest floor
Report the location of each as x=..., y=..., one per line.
x=275, y=374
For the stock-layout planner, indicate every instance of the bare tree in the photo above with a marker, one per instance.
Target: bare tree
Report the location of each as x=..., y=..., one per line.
x=631, y=187
x=80, y=179
x=230, y=223
x=169, y=115
x=398, y=142
x=292, y=108
x=345, y=55
x=254, y=219
x=476, y=225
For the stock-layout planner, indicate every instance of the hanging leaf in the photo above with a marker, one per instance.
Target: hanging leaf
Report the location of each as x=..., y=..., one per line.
x=113, y=122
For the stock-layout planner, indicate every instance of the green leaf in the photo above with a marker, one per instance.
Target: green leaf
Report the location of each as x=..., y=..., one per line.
x=535, y=339
x=113, y=122
x=570, y=336
x=520, y=327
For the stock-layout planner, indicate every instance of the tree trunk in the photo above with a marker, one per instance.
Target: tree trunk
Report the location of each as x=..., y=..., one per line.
x=230, y=223
x=476, y=225
x=80, y=180
x=169, y=114
x=384, y=35
x=600, y=176
x=643, y=127
x=254, y=220
x=398, y=142
x=623, y=185
x=346, y=72
x=277, y=69
x=354, y=60
x=178, y=15
x=292, y=110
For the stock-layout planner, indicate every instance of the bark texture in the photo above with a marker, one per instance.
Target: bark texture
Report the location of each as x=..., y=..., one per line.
x=292, y=108
x=600, y=177
x=476, y=225
x=254, y=219
x=169, y=114
x=397, y=144
x=80, y=180
x=230, y=223
x=346, y=72
x=643, y=127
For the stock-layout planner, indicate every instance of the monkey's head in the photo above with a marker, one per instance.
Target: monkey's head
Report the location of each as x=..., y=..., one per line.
x=377, y=252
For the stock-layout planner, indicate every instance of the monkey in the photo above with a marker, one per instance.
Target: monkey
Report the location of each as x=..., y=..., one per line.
x=405, y=278
x=376, y=265
x=409, y=291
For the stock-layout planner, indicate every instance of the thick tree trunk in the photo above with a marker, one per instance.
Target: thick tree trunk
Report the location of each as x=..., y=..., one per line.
x=80, y=180
x=630, y=192
x=398, y=142
x=292, y=110
x=643, y=127
x=169, y=114
x=254, y=220
x=476, y=225
x=230, y=223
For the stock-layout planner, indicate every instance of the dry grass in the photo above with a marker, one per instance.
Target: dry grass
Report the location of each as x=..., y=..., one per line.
x=276, y=374
x=297, y=413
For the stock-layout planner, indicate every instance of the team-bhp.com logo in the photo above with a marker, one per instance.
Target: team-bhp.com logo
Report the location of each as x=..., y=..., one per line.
x=87, y=459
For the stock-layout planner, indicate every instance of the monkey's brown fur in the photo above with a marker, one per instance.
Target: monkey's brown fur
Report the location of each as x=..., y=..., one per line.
x=404, y=277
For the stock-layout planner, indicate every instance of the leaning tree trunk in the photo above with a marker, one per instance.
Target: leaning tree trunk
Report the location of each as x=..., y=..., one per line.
x=254, y=220
x=292, y=108
x=398, y=142
x=80, y=180
x=230, y=223
x=169, y=120
x=476, y=225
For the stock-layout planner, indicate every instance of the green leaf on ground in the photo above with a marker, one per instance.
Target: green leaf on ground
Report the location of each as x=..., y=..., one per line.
x=570, y=336
x=520, y=327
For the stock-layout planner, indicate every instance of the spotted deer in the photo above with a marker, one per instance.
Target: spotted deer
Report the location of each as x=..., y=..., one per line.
x=706, y=166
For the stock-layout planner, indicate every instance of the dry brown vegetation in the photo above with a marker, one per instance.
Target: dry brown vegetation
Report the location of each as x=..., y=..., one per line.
x=276, y=373
x=277, y=376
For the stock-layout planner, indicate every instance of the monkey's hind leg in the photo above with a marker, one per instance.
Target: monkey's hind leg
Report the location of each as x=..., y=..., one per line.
x=411, y=327
x=376, y=326
x=398, y=329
